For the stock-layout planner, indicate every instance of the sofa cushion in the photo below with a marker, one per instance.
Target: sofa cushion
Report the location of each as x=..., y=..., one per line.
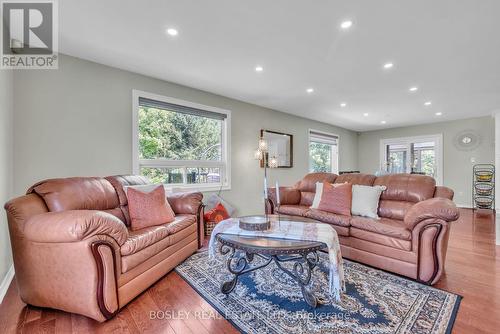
x=293, y=210
x=306, y=198
x=394, y=209
x=143, y=238
x=328, y=217
x=119, y=182
x=308, y=183
x=76, y=193
x=385, y=226
x=180, y=223
x=341, y=230
x=356, y=178
x=407, y=187
x=159, y=251
x=403, y=190
x=356, y=233
x=148, y=236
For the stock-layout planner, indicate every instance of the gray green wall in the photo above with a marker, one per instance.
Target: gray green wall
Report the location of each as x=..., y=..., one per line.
x=457, y=165
x=78, y=121
x=6, y=167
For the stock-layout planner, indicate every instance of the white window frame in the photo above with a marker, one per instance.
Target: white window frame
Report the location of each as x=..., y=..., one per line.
x=309, y=152
x=224, y=164
x=437, y=138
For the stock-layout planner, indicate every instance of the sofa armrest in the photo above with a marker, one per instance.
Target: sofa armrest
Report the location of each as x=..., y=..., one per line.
x=444, y=192
x=431, y=209
x=73, y=226
x=185, y=202
x=288, y=195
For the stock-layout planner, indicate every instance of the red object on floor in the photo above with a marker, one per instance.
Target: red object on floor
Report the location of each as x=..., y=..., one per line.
x=217, y=214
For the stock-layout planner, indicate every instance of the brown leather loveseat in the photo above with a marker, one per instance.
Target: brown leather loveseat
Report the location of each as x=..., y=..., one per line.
x=411, y=236
x=73, y=249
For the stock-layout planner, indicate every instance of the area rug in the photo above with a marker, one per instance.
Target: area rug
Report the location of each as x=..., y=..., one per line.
x=268, y=301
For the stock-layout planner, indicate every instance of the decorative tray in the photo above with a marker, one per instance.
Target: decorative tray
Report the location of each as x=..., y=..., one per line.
x=254, y=223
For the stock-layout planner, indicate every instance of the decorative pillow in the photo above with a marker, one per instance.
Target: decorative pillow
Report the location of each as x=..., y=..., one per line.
x=365, y=200
x=319, y=193
x=148, y=208
x=217, y=214
x=336, y=198
x=145, y=188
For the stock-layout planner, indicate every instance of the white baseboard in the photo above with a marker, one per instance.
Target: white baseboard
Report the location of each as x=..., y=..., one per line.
x=4, y=286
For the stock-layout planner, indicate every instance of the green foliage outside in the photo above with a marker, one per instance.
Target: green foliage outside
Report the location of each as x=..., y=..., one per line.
x=397, y=162
x=423, y=161
x=320, y=156
x=427, y=162
x=165, y=134
x=175, y=136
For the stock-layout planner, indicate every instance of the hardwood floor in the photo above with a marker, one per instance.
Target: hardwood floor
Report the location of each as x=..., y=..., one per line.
x=472, y=270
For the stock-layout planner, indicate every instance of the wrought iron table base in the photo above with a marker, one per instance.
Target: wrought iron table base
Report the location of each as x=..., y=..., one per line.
x=239, y=263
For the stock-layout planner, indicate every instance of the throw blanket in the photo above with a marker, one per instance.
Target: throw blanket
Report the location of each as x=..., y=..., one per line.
x=296, y=230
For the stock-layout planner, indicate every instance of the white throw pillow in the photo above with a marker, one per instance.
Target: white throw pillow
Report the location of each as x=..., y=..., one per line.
x=365, y=200
x=317, y=196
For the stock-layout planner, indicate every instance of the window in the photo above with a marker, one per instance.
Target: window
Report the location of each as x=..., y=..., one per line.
x=323, y=152
x=417, y=155
x=181, y=143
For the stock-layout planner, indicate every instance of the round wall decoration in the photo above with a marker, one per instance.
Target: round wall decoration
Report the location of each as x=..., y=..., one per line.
x=467, y=140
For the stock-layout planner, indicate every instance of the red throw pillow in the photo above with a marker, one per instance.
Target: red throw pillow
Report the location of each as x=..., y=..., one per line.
x=336, y=199
x=148, y=209
x=217, y=214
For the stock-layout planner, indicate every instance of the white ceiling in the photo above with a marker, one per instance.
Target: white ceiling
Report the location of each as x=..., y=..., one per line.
x=450, y=49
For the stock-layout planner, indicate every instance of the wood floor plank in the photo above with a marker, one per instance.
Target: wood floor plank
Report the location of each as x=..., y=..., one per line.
x=472, y=271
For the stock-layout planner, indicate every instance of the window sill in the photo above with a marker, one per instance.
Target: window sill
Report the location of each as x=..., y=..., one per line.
x=200, y=188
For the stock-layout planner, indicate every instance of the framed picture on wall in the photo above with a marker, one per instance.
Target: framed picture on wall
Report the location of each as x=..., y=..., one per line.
x=280, y=146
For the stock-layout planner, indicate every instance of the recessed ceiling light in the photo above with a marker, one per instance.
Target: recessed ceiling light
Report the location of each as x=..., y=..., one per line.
x=383, y=122
x=388, y=65
x=428, y=103
x=413, y=89
x=346, y=24
x=365, y=114
x=172, y=32
x=343, y=104
x=310, y=90
x=259, y=69
x=438, y=113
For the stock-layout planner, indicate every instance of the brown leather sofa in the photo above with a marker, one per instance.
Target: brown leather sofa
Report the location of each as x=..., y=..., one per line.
x=411, y=236
x=73, y=249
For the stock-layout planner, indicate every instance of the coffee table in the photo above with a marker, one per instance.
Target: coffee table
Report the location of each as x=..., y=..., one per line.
x=242, y=251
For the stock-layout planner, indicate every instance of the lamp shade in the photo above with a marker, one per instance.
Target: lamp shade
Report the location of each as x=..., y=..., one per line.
x=263, y=145
x=273, y=162
x=257, y=155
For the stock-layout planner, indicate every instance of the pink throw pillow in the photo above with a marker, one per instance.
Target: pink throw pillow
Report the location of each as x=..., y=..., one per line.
x=336, y=198
x=148, y=209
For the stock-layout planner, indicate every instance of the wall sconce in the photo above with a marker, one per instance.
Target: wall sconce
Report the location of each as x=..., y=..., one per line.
x=263, y=145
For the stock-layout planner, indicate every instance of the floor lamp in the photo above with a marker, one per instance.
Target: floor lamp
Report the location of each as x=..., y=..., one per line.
x=261, y=154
